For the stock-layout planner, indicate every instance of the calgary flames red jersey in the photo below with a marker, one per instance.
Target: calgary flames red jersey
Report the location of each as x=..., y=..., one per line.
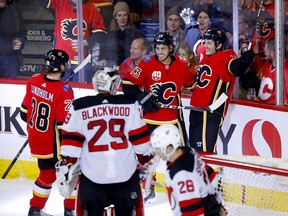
x=126, y=67
x=166, y=82
x=45, y=105
x=66, y=24
x=213, y=78
x=268, y=84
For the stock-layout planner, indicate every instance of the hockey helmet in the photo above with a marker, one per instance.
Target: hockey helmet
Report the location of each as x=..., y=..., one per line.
x=55, y=58
x=217, y=35
x=106, y=80
x=163, y=38
x=165, y=135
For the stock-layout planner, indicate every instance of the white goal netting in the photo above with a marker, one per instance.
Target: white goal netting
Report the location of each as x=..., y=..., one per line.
x=251, y=185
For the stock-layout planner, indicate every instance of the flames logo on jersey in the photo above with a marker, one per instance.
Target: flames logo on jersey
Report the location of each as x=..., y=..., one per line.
x=204, y=73
x=165, y=92
x=69, y=29
x=267, y=29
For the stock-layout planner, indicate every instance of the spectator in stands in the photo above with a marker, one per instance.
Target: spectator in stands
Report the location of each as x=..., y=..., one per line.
x=213, y=10
x=194, y=35
x=175, y=26
x=119, y=38
x=66, y=30
x=12, y=38
x=136, y=10
x=139, y=48
x=185, y=51
x=267, y=75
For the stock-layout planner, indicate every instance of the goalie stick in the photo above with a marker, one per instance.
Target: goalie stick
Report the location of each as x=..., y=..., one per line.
x=216, y=104
x=79, y=67
x=15, y=159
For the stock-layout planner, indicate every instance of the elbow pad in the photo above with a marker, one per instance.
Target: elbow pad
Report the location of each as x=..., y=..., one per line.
x=130, y=89
x=23, y=116
x=239, y=65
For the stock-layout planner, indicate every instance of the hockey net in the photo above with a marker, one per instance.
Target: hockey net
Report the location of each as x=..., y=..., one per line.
x=251, y=185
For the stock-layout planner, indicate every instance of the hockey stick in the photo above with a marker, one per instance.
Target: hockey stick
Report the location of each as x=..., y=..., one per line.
x=257, y=17
x=14, y=160
x=216, y=104
x=79, y=67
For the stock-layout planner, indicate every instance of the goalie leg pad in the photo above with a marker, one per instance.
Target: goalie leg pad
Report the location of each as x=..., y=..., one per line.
x=67, y=176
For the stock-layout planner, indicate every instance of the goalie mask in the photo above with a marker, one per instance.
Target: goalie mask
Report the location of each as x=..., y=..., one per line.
x=164, y=136
x=106, y=80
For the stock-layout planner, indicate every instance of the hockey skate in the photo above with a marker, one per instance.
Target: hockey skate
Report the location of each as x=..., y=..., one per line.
x=149, y=197
x=37, y=212
x=69, y=212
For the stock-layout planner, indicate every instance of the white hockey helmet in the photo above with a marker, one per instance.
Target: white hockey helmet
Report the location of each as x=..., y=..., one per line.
x=165, y=135
x=106, y=80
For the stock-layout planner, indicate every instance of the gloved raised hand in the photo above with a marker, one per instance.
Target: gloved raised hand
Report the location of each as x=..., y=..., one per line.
x=247, y=55
x=148, y=102
x=189, y=17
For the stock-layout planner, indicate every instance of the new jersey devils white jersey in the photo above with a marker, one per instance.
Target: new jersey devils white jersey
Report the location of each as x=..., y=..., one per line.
x=106, y=132
x=188, y=183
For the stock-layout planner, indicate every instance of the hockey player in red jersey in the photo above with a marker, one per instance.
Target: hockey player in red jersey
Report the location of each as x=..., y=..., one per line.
x=44, y=108
x=161, y=77
x=105, y=132
x=189, y=181
x=216, y=74
x=66, y=33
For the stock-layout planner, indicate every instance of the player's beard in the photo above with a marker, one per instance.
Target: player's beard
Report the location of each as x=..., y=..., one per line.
x=63, y=72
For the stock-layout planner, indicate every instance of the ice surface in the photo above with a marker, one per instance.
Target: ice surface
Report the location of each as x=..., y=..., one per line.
x=15, y=196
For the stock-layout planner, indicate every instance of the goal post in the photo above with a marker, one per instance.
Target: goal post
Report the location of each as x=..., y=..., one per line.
x=252, y=185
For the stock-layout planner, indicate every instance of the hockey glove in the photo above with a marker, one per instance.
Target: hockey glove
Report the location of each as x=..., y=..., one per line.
x=148, y=102
x=189, y=17
x=66, y=177
x=247, y=56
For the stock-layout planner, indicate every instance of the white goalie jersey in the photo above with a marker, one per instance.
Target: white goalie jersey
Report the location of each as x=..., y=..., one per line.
x=106, y=132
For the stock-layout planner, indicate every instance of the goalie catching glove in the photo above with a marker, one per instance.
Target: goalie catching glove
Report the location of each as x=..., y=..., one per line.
x=67, y=176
